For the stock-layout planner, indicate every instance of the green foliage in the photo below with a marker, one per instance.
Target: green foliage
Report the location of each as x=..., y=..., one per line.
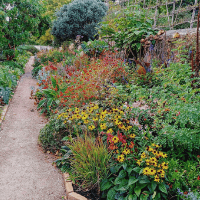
x=36, y=69
x=52, y=6
x=131, y=28
x=140, y=174
x=5, y=94
x=94, y=48
x=18, y=23
x=184, y=175
x=51, y=135
x=46, y=39
x=48, y=99
x=10, y=72
x=28, y=48
x=78, y=18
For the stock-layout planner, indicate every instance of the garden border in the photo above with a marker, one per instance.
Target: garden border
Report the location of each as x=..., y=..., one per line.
x=5, y=108
x=71, y=195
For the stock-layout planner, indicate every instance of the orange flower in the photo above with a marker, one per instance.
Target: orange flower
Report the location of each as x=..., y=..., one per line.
x=131, y=145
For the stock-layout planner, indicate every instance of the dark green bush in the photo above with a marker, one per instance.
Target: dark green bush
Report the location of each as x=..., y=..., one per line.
x=78, y=18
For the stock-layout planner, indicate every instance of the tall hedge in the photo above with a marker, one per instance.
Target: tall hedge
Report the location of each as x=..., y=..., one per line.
x=78, y=18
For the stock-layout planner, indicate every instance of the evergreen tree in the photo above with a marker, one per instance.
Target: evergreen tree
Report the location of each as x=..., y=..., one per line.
x=81, y=17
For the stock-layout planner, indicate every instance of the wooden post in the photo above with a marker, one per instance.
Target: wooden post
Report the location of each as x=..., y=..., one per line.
x=173, y=11
x=193, y=14
x=167, y=13
x=156, y=13
x=197, y=60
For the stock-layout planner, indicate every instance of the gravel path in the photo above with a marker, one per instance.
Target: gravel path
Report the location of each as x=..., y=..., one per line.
x=25, y=171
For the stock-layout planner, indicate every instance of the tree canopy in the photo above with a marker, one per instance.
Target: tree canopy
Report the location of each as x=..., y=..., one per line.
x=80, y=17
x=18, y=20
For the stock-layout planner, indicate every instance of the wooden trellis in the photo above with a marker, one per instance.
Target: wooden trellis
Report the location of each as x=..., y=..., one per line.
x=175, y=10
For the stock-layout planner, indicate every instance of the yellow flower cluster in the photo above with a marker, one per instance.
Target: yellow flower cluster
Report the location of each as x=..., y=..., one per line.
x=153, y=160
x=93, y=116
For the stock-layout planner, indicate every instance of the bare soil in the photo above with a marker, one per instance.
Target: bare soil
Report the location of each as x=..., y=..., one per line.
x=25, y=171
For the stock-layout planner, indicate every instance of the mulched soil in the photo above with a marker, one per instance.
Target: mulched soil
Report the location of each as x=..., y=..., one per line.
x=90, y=195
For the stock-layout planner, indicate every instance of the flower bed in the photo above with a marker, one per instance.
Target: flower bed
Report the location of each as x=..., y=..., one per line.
x=105, y=142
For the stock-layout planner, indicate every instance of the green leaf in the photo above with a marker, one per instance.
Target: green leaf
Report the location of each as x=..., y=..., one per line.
x=66, y=138
x=129, y=170
x=53, y=80
x=138, y=45
x=124, y=165
x=105, y=184
x=144, y=179
x=137, y=191
x=111, y=194
x=42, y=102
x=136, y=169
x=117, y=181
x=152, y=186
x=115, y=169
x=49, y=102
x=138, y=188
x=157, y=197
x=132, y=197
x=122, y=174
x=144, y=197
x=132, y=180
x=162, y=188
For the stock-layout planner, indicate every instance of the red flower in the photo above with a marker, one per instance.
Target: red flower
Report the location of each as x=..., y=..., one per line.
x=122, y=138
x=185, y=192
x=198, y=178
x=109, y=137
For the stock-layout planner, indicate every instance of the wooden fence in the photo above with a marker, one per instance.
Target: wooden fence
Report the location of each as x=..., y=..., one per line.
x=167, y=14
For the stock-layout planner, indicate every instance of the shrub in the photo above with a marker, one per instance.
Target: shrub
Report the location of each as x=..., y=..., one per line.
x=78, y=18
x=94, y=48
x=131, y=28
x=51, y=135
x=29, y=48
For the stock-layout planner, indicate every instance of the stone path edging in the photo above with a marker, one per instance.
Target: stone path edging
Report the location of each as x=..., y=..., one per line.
x=71, y=195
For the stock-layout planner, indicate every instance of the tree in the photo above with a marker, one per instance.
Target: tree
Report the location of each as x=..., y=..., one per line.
x=18, y=20
x=81, y=17
x=53, y=6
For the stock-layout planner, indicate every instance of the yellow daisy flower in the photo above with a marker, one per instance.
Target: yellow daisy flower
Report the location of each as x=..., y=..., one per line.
x=126, y=151
x=115, y=139
x=132, y=135
x=91, y=127
x=120, y=158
